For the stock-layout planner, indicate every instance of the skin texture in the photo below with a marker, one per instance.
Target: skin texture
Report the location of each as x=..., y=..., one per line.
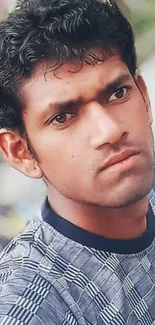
x=71, y=149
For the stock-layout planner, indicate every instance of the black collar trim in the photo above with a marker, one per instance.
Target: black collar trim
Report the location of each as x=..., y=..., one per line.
x=88, y=239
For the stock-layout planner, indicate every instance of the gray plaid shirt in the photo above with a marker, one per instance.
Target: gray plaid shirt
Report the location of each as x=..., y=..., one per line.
x=48, y=279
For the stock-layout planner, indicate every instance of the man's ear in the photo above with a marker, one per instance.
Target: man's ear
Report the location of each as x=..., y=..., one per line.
x=143, y=89
x=15, y=150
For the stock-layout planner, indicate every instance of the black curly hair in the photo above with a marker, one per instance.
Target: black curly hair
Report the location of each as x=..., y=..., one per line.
x=56, y=31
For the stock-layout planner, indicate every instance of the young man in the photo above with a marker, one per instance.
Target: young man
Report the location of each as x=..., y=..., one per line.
x=75, y=112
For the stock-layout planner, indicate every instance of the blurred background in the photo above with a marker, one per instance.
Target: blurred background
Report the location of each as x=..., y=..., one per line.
x=21, y=198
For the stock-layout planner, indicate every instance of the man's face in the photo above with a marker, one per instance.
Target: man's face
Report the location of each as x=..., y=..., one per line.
x=80, y=123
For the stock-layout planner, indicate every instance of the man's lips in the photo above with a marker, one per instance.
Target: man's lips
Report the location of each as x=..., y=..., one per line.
x=119, y=158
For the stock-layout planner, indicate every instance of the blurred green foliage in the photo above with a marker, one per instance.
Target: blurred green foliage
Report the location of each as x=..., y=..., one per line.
x=142, y=15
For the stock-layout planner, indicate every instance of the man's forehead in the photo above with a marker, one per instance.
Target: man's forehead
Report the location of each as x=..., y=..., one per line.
x=74, y=71
x=95, y=56
x=68, y=81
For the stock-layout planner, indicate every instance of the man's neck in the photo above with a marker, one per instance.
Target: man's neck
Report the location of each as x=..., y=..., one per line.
x=123, y=223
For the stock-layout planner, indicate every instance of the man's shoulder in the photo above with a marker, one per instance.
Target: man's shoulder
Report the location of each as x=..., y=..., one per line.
x=35, y=249
x=31, y=291
x=31, y=297
x=27, y=256
x=19, y=248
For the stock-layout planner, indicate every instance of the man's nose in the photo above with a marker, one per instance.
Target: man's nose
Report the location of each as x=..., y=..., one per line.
x=105, y=127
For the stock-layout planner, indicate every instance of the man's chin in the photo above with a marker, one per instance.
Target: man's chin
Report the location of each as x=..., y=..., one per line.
x=128, y=190
x=127, y=199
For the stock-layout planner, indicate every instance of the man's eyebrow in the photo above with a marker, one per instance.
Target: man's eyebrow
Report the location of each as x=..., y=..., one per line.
x=117, y=82
x=60, y=106
x=71, y=104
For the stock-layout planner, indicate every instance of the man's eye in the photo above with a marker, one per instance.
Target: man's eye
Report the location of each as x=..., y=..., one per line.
x=121, y=93
x=61, y=118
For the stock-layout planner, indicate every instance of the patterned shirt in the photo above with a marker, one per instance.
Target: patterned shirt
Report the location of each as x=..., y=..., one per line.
x=59, y=274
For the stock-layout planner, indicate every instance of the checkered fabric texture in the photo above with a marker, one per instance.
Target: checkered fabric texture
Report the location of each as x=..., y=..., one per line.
x=47, y=279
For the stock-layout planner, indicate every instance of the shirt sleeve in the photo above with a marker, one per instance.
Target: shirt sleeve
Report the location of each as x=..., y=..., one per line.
x=27, y=298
